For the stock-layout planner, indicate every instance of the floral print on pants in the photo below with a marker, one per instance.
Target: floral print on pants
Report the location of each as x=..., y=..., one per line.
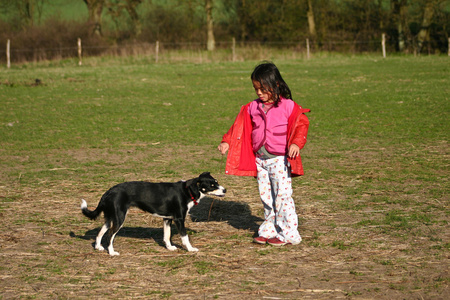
x=275, y=188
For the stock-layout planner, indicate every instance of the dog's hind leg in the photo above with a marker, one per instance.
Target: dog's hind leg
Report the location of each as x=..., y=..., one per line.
x=110, y=247
x=98, y=240
x=167, y=234
x=117, y=225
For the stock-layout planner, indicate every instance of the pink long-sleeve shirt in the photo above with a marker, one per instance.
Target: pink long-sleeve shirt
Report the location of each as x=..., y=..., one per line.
x=271, y=129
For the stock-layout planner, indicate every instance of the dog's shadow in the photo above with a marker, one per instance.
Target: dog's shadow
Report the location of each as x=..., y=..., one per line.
x=236, y=214
x=149, y=233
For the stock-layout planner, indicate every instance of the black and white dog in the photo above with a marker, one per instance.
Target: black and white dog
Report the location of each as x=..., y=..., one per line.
x=171, y=201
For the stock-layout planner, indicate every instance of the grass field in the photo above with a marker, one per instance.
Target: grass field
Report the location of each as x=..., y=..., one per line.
x=373, y=204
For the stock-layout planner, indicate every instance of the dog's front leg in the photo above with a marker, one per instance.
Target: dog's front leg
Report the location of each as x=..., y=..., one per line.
x=187, y=244
x=184, y=236
x=167, y=234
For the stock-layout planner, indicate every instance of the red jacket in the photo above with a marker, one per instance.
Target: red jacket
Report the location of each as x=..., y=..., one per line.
x=241, y=158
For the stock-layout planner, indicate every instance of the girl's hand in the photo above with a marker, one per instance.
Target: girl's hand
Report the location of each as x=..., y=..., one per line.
x=294, y=151
x=223, y=148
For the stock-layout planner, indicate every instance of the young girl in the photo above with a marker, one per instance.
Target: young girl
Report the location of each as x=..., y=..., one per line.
x=265, y=141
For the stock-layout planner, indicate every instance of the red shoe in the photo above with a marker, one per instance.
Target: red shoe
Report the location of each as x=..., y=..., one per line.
x=276, y=242
x=260, y=240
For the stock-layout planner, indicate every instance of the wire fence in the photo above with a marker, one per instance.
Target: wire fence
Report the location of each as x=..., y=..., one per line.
x=225, y=50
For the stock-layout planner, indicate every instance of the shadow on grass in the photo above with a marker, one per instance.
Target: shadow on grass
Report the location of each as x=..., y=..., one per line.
x=236, y=214
x=149, y=233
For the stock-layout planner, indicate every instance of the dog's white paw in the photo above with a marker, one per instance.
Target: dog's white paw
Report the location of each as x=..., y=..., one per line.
x=171, y=248
x=99, y=248
x=188, y=245
x=114, y=253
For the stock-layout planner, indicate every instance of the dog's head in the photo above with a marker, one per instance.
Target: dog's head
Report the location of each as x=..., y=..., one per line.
x=207, y=185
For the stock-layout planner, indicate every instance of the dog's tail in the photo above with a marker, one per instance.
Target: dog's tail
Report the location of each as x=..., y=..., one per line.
x=91, y=214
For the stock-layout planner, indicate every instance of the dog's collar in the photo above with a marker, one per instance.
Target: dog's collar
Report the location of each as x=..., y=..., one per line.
x=192, y=197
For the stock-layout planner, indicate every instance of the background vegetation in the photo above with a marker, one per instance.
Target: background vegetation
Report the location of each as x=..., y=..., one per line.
x=43, y=29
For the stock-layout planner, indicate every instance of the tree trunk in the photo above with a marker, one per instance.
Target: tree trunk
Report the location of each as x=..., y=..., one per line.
x=131, y=9
x=95, y=8
x=211, y=43
x=311, y=21
x=424, y=33
x=399, y=14
x=26, y=10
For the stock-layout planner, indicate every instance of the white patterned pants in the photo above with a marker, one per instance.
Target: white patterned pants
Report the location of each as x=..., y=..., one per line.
x=275, y=189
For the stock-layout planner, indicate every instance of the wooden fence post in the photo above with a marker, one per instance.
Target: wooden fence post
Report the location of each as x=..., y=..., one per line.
x=383, y=44
x=79, y=52
x=233, y=47
x=8, y=54
x=157, y=51
x=307, y=48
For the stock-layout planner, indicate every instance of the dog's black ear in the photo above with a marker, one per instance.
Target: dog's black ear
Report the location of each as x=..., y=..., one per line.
x=192, y=182
x=193, y=186
x=205, y=174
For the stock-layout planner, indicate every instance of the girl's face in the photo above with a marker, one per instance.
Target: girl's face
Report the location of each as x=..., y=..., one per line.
x=264, y=94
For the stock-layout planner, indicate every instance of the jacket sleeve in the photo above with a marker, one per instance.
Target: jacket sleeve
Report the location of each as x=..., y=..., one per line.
x=300, y=131
x=240, y=158
x=235, y=129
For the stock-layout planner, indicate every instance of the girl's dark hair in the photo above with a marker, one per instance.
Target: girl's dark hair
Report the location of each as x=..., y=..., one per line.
x=269, y=77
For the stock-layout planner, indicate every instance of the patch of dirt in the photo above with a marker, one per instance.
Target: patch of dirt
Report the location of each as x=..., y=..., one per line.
x=46, y=244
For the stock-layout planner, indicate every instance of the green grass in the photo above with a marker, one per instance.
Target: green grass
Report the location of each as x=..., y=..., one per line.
x=86, y=107
x=358, y=103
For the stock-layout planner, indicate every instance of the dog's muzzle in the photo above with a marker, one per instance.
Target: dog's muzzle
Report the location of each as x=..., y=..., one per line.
x=219, y=192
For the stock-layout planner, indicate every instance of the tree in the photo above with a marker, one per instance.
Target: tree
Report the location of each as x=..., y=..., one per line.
x=211, y=43
x=115, y=8
x=95, y=9
x=131, y=9
x=311, y=22
x=428, y=13
x=400, y=9
x=24, y=10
